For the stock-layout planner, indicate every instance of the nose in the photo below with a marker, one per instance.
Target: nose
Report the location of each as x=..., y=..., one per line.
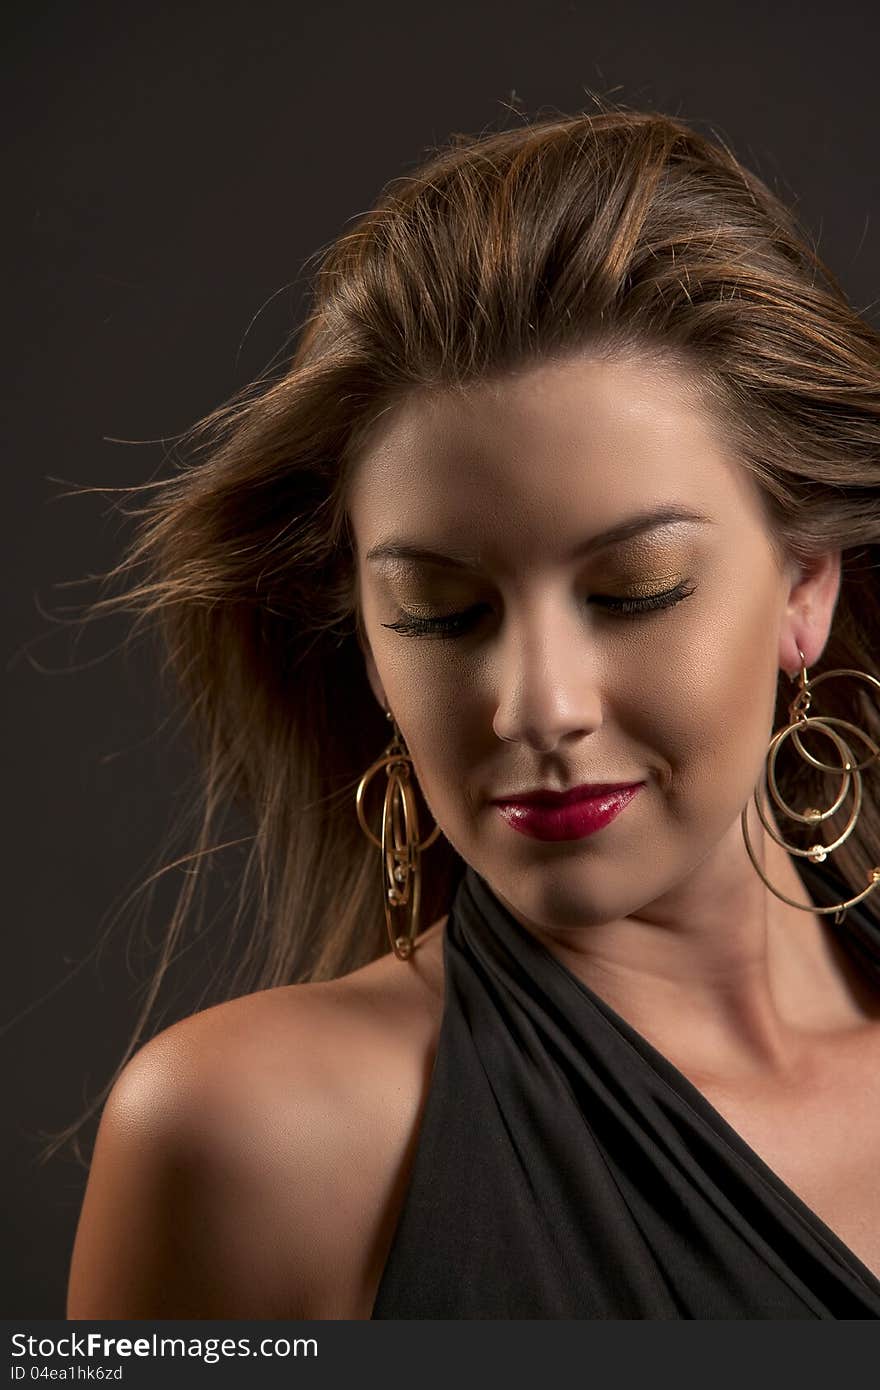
x=547, y=689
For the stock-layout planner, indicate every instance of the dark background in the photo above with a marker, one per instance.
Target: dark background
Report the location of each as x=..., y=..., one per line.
x=169, y=171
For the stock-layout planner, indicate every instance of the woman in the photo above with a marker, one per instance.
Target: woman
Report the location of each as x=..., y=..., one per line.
x=572, y=485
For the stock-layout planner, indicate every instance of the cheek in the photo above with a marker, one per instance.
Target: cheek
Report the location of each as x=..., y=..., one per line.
x=716, y=692
x=447, y=740
x=444, y=714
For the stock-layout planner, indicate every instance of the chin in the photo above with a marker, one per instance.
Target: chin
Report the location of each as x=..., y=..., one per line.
x=557, y=895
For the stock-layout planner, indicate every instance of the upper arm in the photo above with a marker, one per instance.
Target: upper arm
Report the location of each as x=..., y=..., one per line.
x=173, y=1223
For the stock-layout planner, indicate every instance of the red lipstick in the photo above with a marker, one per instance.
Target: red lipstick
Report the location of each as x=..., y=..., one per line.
x=571, y=815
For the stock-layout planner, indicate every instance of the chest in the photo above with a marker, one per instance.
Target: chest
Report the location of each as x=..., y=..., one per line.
x=822, y=1139
x=819, y=1134
x=823, y=1143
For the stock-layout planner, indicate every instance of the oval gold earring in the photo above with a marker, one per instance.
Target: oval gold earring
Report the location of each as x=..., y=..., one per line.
x=399, y=843
x=800, y=720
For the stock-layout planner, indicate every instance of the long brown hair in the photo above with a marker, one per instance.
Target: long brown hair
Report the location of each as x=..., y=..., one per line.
x=617, y=230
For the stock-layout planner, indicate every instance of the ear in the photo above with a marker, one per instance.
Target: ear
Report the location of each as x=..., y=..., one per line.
x=809, y=611
x=372, y=671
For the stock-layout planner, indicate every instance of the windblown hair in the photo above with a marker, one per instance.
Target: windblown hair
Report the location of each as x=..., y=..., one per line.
x=612, y=232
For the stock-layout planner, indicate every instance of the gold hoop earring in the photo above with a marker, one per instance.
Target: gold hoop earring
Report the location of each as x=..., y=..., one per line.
x=799, y=720
x=399, y=842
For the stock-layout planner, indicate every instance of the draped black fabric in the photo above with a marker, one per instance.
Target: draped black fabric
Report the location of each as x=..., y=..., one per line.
x=566, y=1169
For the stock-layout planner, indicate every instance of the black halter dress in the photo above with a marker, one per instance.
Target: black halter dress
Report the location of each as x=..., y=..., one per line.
x=566, y=1169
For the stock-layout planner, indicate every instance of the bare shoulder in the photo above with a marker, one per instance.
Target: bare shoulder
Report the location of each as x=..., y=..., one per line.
x=251, y=1159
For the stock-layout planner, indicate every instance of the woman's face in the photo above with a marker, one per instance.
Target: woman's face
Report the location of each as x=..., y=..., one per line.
x=504, y=658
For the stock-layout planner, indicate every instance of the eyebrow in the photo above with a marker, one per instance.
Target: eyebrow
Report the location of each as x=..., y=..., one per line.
x=397, y=549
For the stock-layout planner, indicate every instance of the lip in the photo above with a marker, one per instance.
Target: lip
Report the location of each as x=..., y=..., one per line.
x=569, y=816
x=545, y=796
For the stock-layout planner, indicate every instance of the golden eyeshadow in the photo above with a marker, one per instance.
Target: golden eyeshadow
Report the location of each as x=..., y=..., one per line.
x=640, y=571
x=645, y=588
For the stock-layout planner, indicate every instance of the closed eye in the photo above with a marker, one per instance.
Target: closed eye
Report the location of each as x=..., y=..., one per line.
x=457, y=624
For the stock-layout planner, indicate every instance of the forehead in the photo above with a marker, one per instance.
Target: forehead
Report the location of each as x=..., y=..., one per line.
x=539, y=456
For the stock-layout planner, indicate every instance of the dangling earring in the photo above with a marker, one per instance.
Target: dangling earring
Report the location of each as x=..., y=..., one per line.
x=401, y=850
x=799, y=720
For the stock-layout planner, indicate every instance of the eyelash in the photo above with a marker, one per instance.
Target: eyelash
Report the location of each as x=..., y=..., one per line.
x=455, y=624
